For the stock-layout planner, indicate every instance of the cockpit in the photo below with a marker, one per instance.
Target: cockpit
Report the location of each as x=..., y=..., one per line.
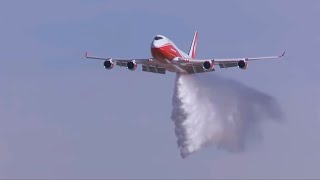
x=158, y=37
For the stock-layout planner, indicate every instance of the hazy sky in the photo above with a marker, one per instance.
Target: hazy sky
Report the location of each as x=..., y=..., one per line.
x=62, y=116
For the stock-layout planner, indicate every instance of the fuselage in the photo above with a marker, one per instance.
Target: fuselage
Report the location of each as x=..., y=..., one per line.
x=166, y=52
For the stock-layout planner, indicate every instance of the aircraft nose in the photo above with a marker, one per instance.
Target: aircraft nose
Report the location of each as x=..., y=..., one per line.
x=156, y=44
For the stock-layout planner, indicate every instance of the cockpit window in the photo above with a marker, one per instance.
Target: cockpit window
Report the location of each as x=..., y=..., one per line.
x=157, y=38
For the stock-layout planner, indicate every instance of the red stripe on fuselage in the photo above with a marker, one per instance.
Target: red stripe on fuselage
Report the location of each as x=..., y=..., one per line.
x=167, y=52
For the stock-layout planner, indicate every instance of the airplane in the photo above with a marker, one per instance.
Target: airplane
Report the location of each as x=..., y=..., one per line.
x=166, y=56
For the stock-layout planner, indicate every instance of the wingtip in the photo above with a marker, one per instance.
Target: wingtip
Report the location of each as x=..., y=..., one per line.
x=86, y=54
x=284, y=52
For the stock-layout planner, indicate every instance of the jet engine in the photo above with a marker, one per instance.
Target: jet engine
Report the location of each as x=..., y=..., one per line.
x=208, y=65
x=132, y=65
x=108, y=64
x=243, y=64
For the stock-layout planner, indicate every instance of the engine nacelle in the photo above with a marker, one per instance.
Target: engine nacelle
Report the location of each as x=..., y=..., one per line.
x=208, y=65
x=243, y=64
x=132, y=65
x=108, y=64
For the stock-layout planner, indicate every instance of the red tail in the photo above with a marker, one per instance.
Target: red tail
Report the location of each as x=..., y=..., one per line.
x=193, y=48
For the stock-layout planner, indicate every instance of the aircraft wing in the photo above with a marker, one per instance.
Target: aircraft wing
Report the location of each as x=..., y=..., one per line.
x=148, y=65
x=119, y=62
x=225, y=63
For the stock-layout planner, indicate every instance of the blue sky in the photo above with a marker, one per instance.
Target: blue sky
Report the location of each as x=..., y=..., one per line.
x=65, y=117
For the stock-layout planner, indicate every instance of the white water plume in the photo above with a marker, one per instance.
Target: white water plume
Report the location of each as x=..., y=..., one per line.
x=211, y=110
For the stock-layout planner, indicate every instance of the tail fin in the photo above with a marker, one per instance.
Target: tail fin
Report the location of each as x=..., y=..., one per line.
x=193, y=48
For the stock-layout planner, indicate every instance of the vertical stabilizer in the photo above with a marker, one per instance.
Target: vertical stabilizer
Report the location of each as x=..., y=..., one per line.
x=193, y=48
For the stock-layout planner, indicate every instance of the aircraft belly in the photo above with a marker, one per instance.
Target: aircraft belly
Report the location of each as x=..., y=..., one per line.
x=174, y=68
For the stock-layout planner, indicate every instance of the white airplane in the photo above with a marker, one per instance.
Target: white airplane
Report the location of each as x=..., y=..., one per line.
x=166, y=56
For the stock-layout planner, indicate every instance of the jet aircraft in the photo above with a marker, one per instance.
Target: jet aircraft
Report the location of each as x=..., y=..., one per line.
x=166, y=56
